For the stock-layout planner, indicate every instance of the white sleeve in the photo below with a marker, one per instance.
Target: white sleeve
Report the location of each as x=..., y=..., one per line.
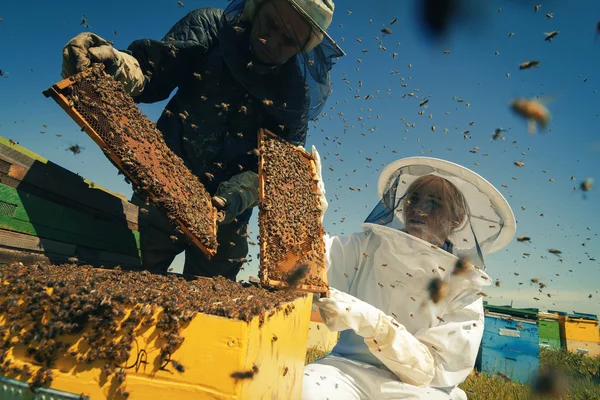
x=342, y=254
x=441, y=356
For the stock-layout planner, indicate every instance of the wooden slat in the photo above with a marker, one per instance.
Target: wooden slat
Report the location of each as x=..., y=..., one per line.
x=40, y=217
x=27, y=156
x=20, y=241
x=52, y=249
x=65, y=187
x=8, y=256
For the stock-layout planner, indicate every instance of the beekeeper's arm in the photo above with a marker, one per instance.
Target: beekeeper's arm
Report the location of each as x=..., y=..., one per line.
x=441, y=356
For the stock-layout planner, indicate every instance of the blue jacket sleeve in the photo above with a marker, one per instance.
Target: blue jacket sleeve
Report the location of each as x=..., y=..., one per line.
x=164, y=62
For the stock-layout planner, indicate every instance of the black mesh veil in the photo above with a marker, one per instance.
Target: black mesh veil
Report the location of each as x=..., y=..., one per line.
x=488, y=224
x=306, y=84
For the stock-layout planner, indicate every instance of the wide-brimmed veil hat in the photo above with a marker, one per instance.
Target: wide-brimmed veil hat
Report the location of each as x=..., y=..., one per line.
x=489, y=224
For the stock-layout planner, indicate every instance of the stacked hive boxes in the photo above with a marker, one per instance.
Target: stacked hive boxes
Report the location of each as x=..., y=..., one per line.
x=579, y=332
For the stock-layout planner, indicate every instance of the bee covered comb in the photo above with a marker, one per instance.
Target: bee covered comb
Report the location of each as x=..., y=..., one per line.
x=292, y=249
x=102, y=108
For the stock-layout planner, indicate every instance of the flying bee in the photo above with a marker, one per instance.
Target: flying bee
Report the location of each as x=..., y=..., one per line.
x=519, y=164
x=393, y=21
x=554, y=251
x=529, y=64
x=437, y=289
x=523, y=239
x=462, y=266
x=386, y=31
x=262, y=40
x=75, y=149
x=180, y=4
x=243, y=375
x=238, y=29
x=197, y=76
x=267, y=102
x=422, y=103
x=550, y=36
x=534, y=111
x=587, y=184
x=178, y=366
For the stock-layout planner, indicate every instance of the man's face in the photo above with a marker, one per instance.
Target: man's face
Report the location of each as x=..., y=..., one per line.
x=426, y=214
x=279, y=32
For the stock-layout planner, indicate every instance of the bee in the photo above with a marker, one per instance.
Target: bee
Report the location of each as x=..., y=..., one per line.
x=482, y=294
x=386, y=31
x=197, y=76
x=393, y=21
x=497, y=283
x=437, y=289
x=503, y=376
x=209, y=176
x=75, y=149
x=297, y=275
x=168, y=113
x=409, y=275
x=534, y=111
x=529, y=64
x=380, y=284
x=11, y=141
x=519, y=164
x=267, y=102
x=422, y=103
x=535, y=280
x=523, y=239
x=440, y=319
x=243, y=109
x=238, y=29
x=587, y=184
x=249, y=65
x=549, y=16
x=178, y=366
x=550, y=35
x=554, y=251
x=285, y=371
x=413, y=299
x=180, y=3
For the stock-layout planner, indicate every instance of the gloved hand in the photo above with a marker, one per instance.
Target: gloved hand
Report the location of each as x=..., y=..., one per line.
x=341, y=311
x=87, y=48
x=236, y=195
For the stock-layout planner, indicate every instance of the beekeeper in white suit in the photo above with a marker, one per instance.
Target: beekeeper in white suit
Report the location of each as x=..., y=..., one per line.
x=410, y=312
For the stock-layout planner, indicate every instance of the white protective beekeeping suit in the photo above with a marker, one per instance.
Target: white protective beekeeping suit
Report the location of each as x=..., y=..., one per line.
x=395, y=342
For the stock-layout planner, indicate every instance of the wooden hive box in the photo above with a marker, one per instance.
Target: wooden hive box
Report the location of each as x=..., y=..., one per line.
x=510, y=346
x=549, y=330
x=50, y=214
x=266, y=353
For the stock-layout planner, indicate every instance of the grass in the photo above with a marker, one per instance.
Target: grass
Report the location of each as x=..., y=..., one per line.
x=582, y=374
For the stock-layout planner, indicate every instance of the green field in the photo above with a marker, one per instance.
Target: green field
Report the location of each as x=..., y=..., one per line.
x=581, y=374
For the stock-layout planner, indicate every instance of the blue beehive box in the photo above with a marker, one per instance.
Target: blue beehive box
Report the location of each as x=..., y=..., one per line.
x=510, y=346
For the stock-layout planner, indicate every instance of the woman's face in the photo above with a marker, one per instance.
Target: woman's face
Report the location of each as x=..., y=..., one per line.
x=279, y=32
x=427, y=215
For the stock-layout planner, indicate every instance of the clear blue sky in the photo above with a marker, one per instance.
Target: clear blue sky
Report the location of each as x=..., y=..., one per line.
x=33, y=33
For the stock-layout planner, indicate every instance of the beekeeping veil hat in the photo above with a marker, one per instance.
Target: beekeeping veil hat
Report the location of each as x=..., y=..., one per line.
x=489, y=223
x=306, y=85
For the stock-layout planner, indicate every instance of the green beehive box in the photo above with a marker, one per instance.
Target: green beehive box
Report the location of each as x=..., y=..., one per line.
x=549, y=331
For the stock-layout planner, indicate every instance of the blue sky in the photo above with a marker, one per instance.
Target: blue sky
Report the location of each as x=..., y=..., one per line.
x=32, y=35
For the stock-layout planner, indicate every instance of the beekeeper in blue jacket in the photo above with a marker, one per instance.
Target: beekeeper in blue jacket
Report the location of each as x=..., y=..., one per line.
x=409, y=312
x=258, y=64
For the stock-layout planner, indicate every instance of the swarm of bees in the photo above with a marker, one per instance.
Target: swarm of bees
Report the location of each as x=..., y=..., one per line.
x=142, y=153
x=108, y=309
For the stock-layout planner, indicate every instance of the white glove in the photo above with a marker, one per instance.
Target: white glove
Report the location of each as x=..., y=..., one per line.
x=87, y=48
x=341, y=311
x=320, y=185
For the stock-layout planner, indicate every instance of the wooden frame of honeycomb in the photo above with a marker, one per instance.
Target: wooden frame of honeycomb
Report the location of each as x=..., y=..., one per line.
x=102, y=108
x=292, y=249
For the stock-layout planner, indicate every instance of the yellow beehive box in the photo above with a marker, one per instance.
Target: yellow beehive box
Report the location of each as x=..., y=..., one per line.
x=581, y=329
x=220, y=358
